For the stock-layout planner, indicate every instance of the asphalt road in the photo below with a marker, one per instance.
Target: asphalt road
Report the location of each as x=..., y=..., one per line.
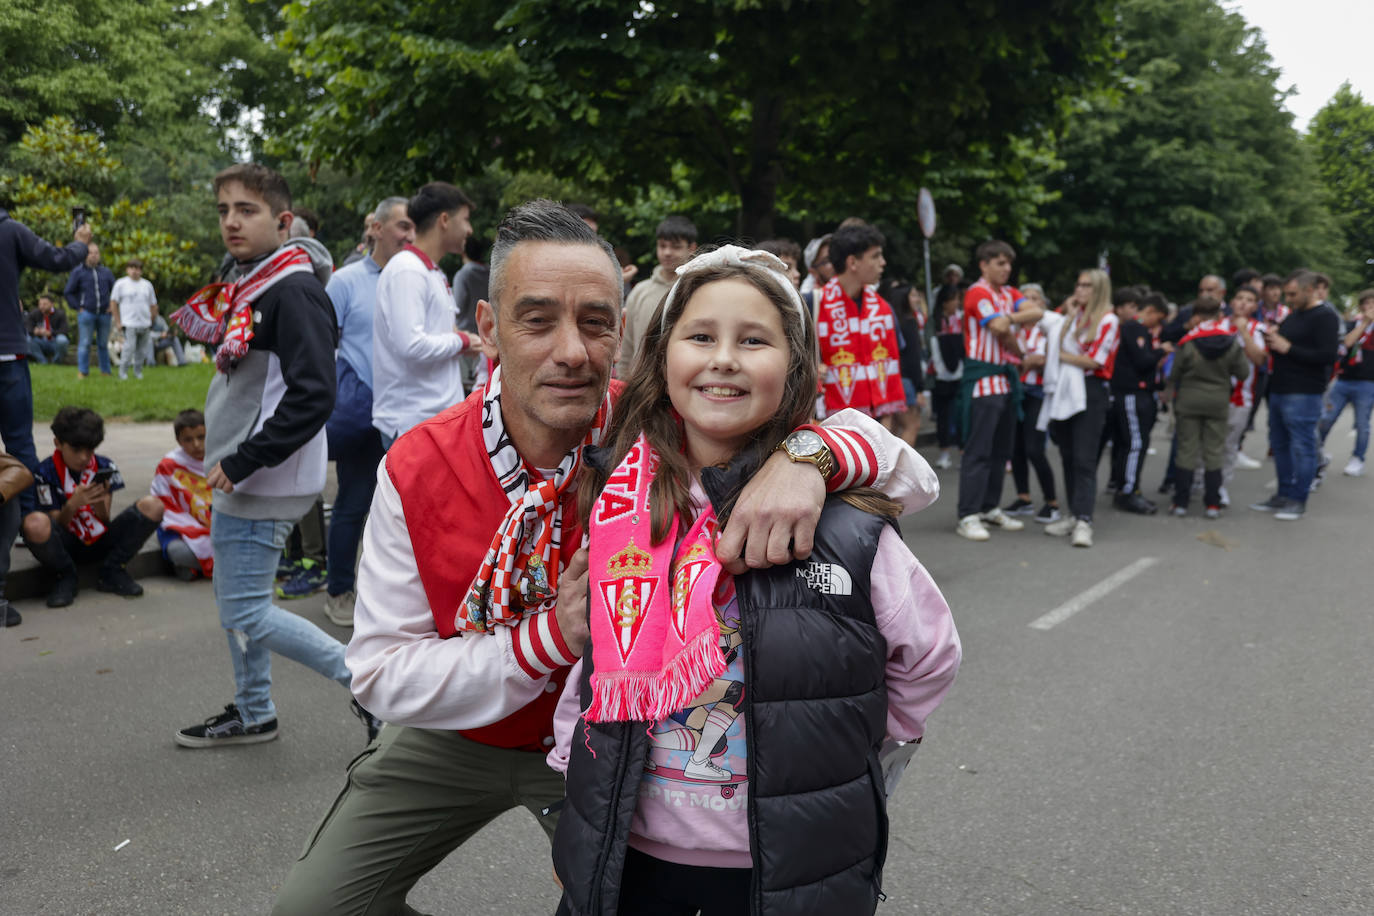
x=1200, y=740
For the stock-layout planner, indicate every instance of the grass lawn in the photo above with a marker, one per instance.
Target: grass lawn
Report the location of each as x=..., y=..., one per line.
x=163, y=392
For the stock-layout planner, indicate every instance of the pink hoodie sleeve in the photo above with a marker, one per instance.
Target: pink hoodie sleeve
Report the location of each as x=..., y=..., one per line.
x=565, y=718
x=923, y=650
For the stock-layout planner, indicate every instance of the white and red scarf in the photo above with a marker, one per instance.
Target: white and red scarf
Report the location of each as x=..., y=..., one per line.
x=222, y=313
x=519, y=573
x=180, y=484
x=654, y=633
x=1216, y=327
x=859, y=350
x=85, y=524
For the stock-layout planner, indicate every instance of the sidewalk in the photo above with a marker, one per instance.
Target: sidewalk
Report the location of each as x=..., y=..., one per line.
x=135, y=448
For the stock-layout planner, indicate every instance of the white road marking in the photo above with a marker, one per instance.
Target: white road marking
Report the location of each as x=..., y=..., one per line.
x=1098, y=591
x=121, y=846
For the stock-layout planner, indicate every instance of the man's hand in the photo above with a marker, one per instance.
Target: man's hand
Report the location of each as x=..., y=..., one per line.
x=218, y=480
x=627, y=272
x=1167, y=347
x=774, y=519
x=83, y=234
x=1033, y=361
x=571, y=610
x=1277, y=342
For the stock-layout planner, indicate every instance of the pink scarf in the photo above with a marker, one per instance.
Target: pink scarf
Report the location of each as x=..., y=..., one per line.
x=655, y=637
x=222, y=313
x=519, y=573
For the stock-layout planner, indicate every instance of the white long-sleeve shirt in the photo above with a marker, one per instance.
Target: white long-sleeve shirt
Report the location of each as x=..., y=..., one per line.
x=405, y=673
x=416, y=372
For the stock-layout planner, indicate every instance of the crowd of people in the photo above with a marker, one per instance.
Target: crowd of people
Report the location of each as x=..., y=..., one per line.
x=570, y=512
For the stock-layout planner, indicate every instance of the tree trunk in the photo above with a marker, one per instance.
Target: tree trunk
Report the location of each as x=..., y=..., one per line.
x=759, y=192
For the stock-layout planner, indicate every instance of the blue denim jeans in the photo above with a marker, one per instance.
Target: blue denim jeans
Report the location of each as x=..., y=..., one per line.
x=48, y=349
x=16, y=422
x=88, y=324
x=1293, y=420
x=357, y=474
x=246, y=553
x=1360, y=395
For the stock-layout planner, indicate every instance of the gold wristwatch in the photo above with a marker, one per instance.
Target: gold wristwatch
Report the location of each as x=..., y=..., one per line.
x=807, y=445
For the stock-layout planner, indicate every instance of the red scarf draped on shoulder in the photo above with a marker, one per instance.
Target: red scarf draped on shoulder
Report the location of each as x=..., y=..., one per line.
x=1217, y=327
x=859, y=352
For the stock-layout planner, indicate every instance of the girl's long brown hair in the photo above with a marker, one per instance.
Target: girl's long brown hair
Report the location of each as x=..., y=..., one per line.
x=645, y=407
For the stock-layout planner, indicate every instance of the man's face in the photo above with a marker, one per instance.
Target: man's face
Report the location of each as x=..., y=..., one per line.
x=996, y=270
x=1127, y=311
x=556, y=335
x=821, y=267
x=92, y=254
x=1244, y=302
x=456, y=228
x=1271, y=295
x=392, y=234
x=868, y=267
x=134, y=271
x=672, y=253
x=192, y=439
x=1211, y=288
x=1152, y=318
x=246, y=223
x=44, y=304
x=1297, y=297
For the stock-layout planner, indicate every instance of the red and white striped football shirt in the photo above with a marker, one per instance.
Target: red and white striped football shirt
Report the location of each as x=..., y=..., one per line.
x=1032, y=342
x=982, y=304
x=1102, y=350
x=1243, y=392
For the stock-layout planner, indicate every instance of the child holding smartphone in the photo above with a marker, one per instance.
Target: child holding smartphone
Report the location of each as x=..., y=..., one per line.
x=729, y=741
x=73, y=525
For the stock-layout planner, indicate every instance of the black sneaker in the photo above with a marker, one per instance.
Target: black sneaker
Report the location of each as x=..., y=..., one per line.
x=9, y=617
x=370, y=722
x=63, y=591
x=1272, y=504
x=116, y=579
x=286, y=567
x=1166, y=487
x=1048, y=514
x=1020, y=507
x=225, y=729
x=1291, y=511
x=1134, y=502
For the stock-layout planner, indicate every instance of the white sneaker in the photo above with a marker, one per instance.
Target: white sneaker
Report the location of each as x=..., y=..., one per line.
x=1224, y=497
x=944, y=462
x=339, y=609
x=1354, y=468
x=1082, y=533
x=1002, y=520
x=971, y=527
x=705, y=772
x=1246, y=463
x=1061, y=528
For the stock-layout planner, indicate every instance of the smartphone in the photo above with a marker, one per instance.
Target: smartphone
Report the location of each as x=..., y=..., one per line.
x=78, y=218
x=103, y=477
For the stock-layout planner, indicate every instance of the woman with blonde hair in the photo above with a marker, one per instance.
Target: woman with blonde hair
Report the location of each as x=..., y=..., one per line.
x=1088, y=344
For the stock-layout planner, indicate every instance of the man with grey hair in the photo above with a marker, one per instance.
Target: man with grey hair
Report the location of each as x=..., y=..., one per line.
x=355, y=445
x=471, y=600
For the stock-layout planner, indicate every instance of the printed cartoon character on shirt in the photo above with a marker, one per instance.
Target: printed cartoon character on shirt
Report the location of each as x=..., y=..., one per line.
x=704, y=742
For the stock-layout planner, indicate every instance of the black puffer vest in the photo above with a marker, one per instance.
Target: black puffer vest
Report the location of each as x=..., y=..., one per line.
x=815, y=715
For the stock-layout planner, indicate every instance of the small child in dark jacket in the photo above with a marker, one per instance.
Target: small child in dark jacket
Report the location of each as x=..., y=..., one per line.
x=73, y=524
x=1208, y=360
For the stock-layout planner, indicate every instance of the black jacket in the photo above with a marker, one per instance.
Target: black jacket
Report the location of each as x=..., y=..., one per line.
x=1137, y=359
x=20, y=248
x=33, y=319
x=814, y=677
x=1315, y=334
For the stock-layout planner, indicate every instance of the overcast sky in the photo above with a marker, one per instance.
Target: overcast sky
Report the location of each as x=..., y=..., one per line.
x=1318, y=44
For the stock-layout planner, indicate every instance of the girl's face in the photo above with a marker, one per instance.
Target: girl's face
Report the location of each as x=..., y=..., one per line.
x=1083, y=291
x=726, y=368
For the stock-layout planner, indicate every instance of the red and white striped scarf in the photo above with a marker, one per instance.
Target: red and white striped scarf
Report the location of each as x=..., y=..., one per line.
x=222, y=313
x=85, y=524
x=519, y=573
x=1216, y=327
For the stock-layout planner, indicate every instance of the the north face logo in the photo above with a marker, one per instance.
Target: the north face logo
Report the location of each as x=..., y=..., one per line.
x=827, y=578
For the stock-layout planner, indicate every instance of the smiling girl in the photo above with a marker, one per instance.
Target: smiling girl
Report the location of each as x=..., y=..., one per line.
x=721, y=736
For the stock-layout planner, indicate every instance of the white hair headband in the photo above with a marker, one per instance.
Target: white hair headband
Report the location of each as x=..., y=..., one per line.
x=760, y=262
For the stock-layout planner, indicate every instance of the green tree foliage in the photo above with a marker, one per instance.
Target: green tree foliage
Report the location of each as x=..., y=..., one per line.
x=62, y=167
x=1342, y=138
x=811, y=109
x=1191, y=167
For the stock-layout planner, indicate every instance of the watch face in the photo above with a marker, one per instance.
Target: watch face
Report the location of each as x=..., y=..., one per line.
x=804, y=442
